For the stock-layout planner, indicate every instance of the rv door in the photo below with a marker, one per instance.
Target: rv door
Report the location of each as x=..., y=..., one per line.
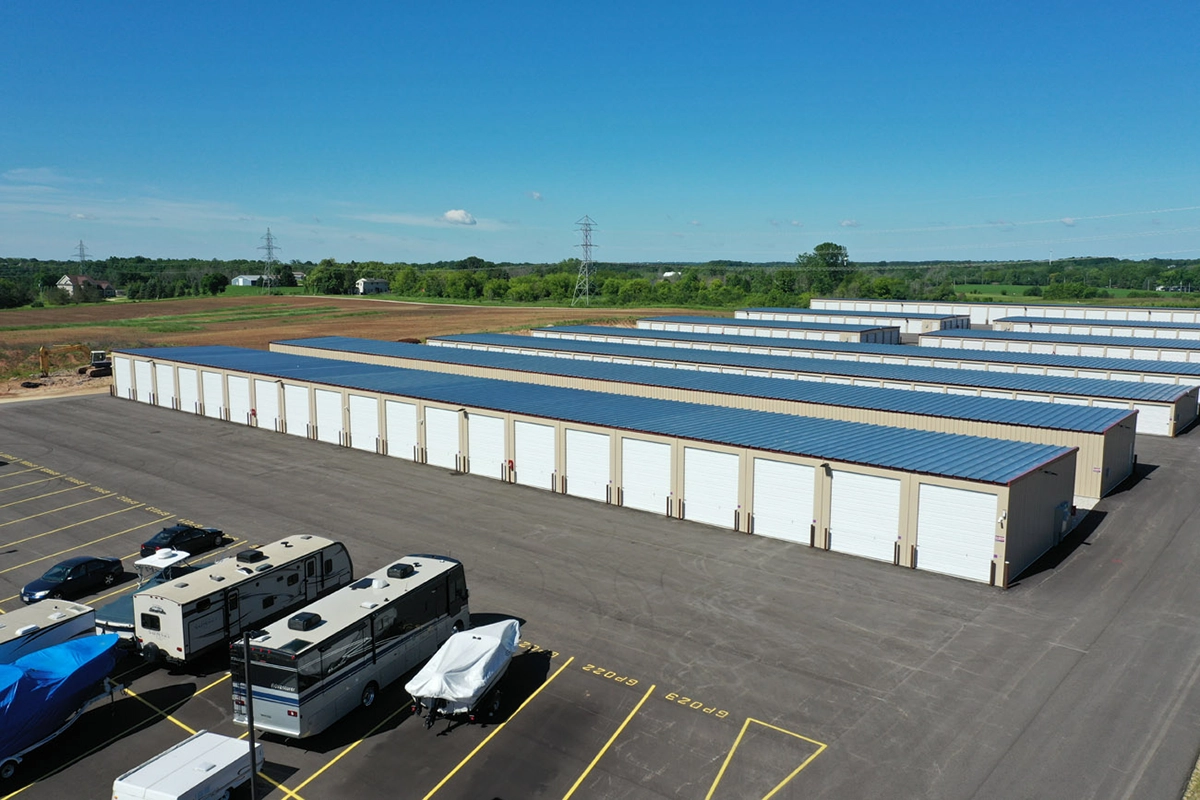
x=312, y=583
x=233, y=615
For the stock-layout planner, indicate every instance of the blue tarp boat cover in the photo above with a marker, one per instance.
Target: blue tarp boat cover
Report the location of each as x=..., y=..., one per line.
x=39, y=692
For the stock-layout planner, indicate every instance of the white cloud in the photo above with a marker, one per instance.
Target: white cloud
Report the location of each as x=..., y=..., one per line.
x=1068, y=221
x=796, y=223
x=83, y=216
x=42, y=175
x=534, y=195
x=695, y=223
x=849, y=223
x=456, y=216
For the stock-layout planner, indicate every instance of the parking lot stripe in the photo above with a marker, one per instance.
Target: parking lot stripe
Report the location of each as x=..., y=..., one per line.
x=608, y=744
x=19, y=472
x=496, y=730
x=47, y=494
x=30, y=483
x=64, y=527
x=821, y=747
x=86, y=544
x=159, y=711
x=51, y=511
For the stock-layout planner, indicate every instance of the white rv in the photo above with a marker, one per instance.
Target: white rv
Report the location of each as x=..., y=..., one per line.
x=205, y=766
x=34, y=627
x=206, y=608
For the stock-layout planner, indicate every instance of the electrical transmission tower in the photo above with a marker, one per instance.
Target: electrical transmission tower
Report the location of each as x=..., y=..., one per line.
x=81, y=254
x=583, y=282
x=269, y=275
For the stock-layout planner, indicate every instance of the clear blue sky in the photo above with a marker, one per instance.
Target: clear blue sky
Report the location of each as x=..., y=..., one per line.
x=750, y=131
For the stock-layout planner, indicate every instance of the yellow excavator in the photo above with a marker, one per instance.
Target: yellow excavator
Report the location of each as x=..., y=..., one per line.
x=100, y=364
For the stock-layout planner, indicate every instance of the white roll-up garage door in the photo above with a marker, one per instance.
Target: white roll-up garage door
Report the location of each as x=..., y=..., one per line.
x=266, y=399
x=164, y=375
x=864, y=515
x=143, y=378
x=485, y=443
x=533, y=446
x=1154, y=420
x=710, y=486
x=239, y=399
x=589, y=464
x=214, y=395
x=295, y=409
x=364, y=422
x=956, y=532
x=441, y=437
x=645, y=475
x=783, y=500
x=123, y=377
x=189, y=391
x=329, y=416
x=400, y=426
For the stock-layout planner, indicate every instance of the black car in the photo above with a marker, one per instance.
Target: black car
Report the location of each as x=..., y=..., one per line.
x=183, y=537
x=74, y=577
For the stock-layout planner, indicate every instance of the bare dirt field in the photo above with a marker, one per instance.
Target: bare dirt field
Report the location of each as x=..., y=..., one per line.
x=243, y=322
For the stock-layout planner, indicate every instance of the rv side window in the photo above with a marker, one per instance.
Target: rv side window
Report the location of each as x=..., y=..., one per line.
x=328, y=565
x=310, y=569
x=203, y=605
x=268, y=601
x=293, y=579
x=150, y=622
x=343, y=650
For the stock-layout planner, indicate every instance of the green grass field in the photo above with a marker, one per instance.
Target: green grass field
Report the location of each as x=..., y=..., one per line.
x=1001, y=293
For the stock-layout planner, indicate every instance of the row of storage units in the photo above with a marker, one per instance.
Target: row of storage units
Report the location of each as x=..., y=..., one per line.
x=1067, y=344
x=1163, y=409
x=911, y=322
x=1114, y=369
x=808, y=331
x=988, y=313
x=977, y=508
x=1087, y=327
x=1104, y=436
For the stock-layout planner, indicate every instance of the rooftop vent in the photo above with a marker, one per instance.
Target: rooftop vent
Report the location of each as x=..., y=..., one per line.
x=400, y=570
x=304, y=621
x=251, y=556
x=27, y=629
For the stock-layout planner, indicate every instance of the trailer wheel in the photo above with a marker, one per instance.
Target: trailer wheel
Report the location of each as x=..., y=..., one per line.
x=8, y=769
x=369, y=694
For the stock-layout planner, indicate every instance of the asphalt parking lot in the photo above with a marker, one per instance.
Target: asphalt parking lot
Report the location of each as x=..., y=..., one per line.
x=660, y=658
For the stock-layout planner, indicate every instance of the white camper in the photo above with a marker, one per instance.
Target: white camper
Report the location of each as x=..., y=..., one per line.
x=208, y=607
x=34, y=627
x=205, y=766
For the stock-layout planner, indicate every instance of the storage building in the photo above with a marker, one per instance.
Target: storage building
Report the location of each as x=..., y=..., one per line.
x=981, y=509
x=1104, y=436
x=1163, y=409
x=988, y=313
x=909, y=322
x=1116, y=369
x=1088, y=327
x=814, y=331
x=1068, y=344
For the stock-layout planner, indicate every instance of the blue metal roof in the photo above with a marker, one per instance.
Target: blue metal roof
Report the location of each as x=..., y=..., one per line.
x=1081, y=387
x=1025, y=413
x=868, y=314
x=1073, y=338
x=767, y=323
x=974, y=458
x=903, y=350
x=1106, y=323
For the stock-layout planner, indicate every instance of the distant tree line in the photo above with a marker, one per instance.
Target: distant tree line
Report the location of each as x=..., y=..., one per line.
x=825, y=271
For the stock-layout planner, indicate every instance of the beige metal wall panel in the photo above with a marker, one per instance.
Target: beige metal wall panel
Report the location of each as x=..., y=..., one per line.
x=1118, y=459
x=1034, y=520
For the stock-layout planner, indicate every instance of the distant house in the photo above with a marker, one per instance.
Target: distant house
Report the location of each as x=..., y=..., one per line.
x=370, y=286
x=299, y=276
x=73, y=283
x=247, y=280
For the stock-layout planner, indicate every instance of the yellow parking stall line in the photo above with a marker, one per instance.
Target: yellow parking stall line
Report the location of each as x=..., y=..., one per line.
x=19, y=472
x=611, y=739
x=65, y=527
x=85, y=544
x=821, y=748
x=43, y=496
x=30, y=483
x=51, y=511
x=495, y=730
x=159, y=711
